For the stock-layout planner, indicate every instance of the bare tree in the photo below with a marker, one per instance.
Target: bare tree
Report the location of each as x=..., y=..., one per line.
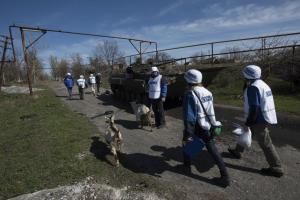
x=108, y=52
x=77, y=65
x=35, y=64
x=54, y=64
x=63, y=68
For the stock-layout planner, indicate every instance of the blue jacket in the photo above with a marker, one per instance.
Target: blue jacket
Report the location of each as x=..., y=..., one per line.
x=68, y=81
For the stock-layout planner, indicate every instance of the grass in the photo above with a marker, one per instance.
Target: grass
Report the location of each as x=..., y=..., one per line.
x=39, y=143
x=227, y=89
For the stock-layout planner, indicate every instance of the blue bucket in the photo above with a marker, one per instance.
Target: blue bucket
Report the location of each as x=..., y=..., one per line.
x=194, y=147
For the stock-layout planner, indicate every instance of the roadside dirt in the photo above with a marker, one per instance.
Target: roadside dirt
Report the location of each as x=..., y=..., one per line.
x=158, y=153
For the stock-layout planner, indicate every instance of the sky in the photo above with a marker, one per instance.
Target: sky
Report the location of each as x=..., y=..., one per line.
x=170, y=23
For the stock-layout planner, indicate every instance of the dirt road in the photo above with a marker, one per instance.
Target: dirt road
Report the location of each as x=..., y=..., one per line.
x=158, y=153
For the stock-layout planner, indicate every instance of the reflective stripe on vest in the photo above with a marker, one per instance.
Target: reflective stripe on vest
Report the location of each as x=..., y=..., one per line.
x=154, y=87
x=267, y=105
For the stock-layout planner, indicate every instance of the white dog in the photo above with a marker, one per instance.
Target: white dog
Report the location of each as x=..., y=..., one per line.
x=113, y=136
x=143, y=114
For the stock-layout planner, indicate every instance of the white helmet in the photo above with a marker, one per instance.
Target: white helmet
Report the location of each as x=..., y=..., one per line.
x=252, y=72
x=68, y=74
x=154, y=69
x=81, y=76
x=91, y=74
x=193, y=76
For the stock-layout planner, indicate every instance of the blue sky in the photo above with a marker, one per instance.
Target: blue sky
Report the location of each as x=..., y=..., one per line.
x=169, y=22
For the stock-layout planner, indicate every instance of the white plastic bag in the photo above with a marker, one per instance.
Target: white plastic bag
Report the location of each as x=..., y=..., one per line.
x=245, y=136
x=245, y=139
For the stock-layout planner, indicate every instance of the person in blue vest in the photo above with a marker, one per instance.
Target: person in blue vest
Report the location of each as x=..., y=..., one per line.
x=69, y=83
x=260, y=113
x=196, y=122
x=158, y=87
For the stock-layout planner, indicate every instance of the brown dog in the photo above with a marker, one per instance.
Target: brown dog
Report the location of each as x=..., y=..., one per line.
x=113, y=136
x=143, y=114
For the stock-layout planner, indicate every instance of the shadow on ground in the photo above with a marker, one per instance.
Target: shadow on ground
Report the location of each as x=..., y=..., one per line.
x=155, y=165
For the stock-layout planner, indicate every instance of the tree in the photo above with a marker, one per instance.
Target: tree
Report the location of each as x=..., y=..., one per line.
x=107, y=52
x=54, y=64
x=77, y=66
x=63, y=68
x=35, y=64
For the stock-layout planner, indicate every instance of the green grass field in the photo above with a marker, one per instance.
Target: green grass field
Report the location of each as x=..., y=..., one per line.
x=40, y=140
x=227, y=89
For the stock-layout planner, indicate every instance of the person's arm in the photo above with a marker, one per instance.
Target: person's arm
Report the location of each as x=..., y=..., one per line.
x=254, y=105
x=190, y=115
x=164, y=88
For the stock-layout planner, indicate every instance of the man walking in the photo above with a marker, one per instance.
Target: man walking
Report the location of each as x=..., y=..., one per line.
x=197, y=122
x=92, y=81
x=81, y=85
x=98, y=82
x=157, y=85
x=260, y=112
x=69, y=83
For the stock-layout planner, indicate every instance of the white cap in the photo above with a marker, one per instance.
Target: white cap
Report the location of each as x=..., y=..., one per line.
x=81, y=76
x=154, y=69
x=91, y=74
x=193, y=76
x=68, y=74
x=252, y=72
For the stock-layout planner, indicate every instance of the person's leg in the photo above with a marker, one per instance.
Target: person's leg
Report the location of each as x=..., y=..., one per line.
x=155, y=108
x=237, y=151
x=80, y=92
x=161, y=112
x=93, y=89
x=98, y=88
x=265, y=142
x=186, y=163
x=70, y=92
x=212, y=149
x=83, y=91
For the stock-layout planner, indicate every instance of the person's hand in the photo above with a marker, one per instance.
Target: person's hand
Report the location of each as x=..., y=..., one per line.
x=163, y=99
x=185, y=141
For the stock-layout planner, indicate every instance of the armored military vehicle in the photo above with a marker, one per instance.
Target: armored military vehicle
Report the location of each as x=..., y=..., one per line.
x=131, y=84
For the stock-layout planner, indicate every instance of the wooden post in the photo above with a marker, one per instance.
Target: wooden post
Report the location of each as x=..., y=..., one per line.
x=2, y=62
x=28, y=68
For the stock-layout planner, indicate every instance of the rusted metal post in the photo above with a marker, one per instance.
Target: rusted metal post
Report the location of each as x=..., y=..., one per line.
x=28, y=68
x=2, y=62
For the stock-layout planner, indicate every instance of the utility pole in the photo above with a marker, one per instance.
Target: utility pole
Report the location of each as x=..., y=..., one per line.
x=2, y=61
x=28, y=68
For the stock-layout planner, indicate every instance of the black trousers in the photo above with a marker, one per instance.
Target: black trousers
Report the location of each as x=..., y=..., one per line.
x=69, y=92
x=159, y=113
x=81, y=92
x=98, y=87
x=212, y=150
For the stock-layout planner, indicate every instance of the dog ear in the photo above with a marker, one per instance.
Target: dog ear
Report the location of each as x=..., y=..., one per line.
x=112, y=118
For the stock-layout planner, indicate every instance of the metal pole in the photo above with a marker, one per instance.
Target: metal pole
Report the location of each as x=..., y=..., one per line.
x=141, y=53
x=156, y=55
x=28, y=68
x=2, y=62
x=212, y=53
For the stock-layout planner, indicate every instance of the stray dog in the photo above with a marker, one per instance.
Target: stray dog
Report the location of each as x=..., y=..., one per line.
x=113, y=135
x=143, y=114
